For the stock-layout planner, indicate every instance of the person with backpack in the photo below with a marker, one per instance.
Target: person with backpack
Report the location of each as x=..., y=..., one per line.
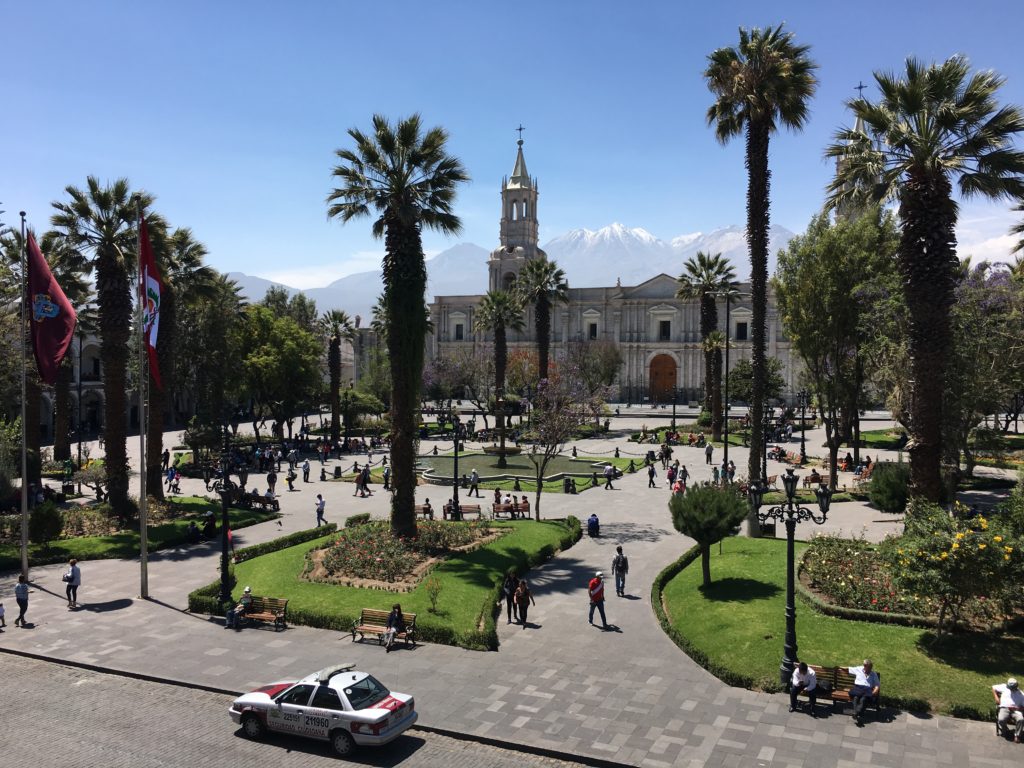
x=620, y=567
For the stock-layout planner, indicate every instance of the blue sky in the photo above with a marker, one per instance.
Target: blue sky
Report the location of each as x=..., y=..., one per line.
x=230, y=112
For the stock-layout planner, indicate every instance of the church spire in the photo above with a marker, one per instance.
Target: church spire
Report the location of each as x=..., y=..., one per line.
x=520, y=177
x=519, y=227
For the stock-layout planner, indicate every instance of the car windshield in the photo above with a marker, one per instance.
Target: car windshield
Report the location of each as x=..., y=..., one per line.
x=366, y=693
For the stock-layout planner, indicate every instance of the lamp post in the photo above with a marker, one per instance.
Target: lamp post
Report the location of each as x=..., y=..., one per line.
x=675, y=399
x=790, y=513
x=725, y=395
x=802, y=397
x=225, y=501
x=456, y=510
x=765, y=427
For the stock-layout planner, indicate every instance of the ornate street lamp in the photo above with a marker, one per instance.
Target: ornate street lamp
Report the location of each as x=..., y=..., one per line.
x=225, y=502
x=790, y=513
x=765, y=427
x=456, y=509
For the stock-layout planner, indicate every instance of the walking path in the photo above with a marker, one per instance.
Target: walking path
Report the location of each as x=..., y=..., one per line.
x=626, y=695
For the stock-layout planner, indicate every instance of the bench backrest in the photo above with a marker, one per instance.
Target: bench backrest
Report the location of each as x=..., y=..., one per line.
x=269, y=604
x=375, y=618
x=844, y=680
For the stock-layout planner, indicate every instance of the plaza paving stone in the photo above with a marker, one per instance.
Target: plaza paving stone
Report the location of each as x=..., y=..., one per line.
x=628, y=695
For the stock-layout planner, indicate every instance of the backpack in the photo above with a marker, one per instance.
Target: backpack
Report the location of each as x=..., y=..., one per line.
x=620, y=564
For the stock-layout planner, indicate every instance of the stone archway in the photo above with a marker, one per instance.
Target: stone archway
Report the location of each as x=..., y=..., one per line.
x=662, y=378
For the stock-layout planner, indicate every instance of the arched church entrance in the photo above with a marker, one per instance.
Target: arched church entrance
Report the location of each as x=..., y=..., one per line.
x=662, y=378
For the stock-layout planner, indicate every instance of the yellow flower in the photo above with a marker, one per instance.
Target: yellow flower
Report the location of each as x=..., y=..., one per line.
x=1008, y=550
x=955, y=546
x=997, y=539
x=982, y=546
x=944, y=555
x=960, y=535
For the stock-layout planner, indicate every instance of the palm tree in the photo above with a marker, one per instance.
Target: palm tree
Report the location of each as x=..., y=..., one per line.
x=704, y=276
x=542, y=283
x=336, y=326
x=765, y=81
x=932, y=126
x=500, y=311
x=102, y=220
x=406, y=179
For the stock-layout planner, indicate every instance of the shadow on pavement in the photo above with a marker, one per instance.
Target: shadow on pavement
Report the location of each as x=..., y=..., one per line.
x=393, y=754
x=627, y=533
x=110, y=605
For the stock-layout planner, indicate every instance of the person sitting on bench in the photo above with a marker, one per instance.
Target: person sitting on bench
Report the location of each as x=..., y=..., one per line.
x=1011, y=707
x=865, y=688
x=815, y=477
x=231, y=621
x=804, y=681
x=396, y=624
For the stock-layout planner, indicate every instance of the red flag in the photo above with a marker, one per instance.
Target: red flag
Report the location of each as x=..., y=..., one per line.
x=53, y=318
x=149, y=280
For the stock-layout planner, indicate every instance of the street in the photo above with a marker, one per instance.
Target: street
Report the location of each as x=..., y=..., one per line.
x=64, y=716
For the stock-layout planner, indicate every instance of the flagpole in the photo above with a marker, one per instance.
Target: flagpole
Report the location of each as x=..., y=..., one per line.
x=143, y=377
x=24, y=427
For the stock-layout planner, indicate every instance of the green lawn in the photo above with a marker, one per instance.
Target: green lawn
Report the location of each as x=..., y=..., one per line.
x=466, y=602
x=126, y=543
x=522, y=467
x=746, y=602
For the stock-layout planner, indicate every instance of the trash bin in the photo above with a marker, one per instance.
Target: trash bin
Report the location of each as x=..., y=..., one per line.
x=337, y=473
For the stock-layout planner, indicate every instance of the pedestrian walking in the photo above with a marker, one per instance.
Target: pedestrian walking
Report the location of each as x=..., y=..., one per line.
x=320, y=504
x=620, y=567
x=732, y=470
x=651, y=475
x=73, y=579
x=305, y=471
x=21, y=598
x=272, y=482
x=387, y=478
x=508, y=593
x=165, y=459
x=596, y=590
x=365, y=480
x=714, y=475
x=708, y=450
x=524, y=598
x=3, y=619
x=474, y=483
x=683, y=473
x=609, y=474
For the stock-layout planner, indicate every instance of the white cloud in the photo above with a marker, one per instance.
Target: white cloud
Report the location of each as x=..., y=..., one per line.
x=319, y=275
x=983, y=232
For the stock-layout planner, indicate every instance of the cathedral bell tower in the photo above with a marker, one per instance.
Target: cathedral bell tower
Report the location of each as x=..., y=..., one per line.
x=518, y=231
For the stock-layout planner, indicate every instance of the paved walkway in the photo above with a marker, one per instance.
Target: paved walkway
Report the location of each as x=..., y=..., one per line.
x=627, y=695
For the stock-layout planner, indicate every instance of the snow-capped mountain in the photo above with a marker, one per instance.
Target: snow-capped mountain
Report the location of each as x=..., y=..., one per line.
x=589, y=258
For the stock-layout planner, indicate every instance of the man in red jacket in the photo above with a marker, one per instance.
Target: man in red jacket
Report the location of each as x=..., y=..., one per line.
x=596, y=589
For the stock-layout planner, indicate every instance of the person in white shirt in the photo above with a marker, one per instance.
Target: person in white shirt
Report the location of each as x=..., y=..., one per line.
x=1011, y=706
x=804, y=681
x=865, y=687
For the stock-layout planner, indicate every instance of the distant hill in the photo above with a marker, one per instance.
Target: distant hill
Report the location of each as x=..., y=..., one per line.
x=589, y=258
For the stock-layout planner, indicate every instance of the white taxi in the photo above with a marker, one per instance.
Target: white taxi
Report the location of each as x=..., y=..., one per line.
x=336, y=704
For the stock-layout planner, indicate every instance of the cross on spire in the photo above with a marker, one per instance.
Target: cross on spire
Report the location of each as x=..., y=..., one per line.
x=859, y=88
x=520, y=129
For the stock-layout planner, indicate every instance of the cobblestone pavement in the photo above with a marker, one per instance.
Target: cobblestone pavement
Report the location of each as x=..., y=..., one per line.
x=628, y=695
x=108, y=720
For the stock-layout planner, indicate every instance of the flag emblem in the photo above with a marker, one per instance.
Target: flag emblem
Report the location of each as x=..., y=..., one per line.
x=43, y=307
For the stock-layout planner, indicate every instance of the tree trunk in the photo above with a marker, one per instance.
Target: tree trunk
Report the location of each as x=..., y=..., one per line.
x=543, y=326
x=405, y=280
x=62, y=411
x=708, y=323
x=928, y=264
x=115, y=318
x=334, y=366
x=705, y=565
x=758, y=188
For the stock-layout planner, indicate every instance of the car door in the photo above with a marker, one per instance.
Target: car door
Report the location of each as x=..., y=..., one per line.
x=290, y=708
x=325, y=712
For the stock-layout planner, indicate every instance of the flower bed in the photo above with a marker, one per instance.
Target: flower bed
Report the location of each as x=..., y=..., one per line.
x=371, y=551
x=852, y=574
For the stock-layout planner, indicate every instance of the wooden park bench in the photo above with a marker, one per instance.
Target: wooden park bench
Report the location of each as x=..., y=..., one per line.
x=273, y=610
x=772, y=481
x=374, y=622
x=510, y=510
x=262, y=502
x=424, y=512
x=808, y=482
x=464, y=509
x=839, y=681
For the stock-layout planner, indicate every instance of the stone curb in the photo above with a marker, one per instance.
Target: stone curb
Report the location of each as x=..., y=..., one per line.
x=487, y=740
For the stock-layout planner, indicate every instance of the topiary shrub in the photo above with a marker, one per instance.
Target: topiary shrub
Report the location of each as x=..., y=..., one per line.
x=361, y=519
x=45, y=523
x=890, y=487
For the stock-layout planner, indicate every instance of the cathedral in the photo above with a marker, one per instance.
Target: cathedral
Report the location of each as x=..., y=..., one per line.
x=657, y=333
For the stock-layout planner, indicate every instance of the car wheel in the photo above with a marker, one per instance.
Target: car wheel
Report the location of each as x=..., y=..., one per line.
x=342, y=743
x=253, y=727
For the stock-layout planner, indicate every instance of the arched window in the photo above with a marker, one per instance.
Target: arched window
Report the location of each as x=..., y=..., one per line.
x=508, y=282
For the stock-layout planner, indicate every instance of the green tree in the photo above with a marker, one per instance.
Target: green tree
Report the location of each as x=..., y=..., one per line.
x=817, y=286
x=405, y=178
x=764, y=82
x=704, y=276
x=741, y=383
x=101, y=220
x=707, y=514
x=45, y=524
x=335, y=326
x=933, y=126
x=500, y=311
x=542, y=283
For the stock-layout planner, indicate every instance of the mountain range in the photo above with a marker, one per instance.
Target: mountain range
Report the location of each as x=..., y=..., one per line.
x=589, y=258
